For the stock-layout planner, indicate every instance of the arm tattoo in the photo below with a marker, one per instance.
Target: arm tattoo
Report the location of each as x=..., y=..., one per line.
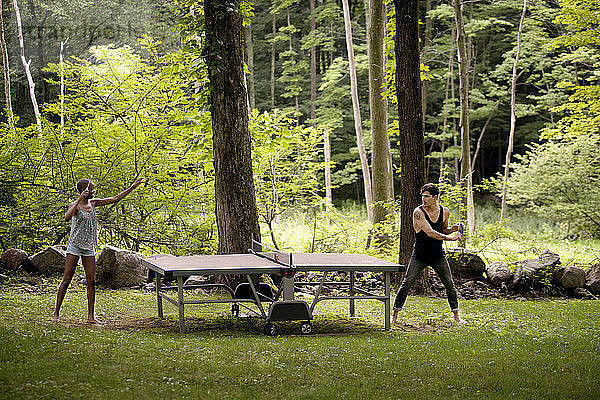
x=418, y=215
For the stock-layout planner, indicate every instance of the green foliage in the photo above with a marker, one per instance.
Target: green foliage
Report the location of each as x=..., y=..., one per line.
x=557, y=180
x=581, y=18
x=285, y=164
x=125, y=117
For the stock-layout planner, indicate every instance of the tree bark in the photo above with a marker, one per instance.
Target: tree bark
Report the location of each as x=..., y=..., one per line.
x=513, y=115
x=6, y=70
x=466, y=176
x=410, y=119
x=36, y=109
x=382, y=193
x=237, y=215
x=364, y=162
x=250, y=64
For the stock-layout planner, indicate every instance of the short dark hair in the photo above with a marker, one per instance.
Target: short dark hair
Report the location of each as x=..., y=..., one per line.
x=431, y=188
x=83, y=184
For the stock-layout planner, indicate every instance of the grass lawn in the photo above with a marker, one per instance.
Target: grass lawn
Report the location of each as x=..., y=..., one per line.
x=510, y=349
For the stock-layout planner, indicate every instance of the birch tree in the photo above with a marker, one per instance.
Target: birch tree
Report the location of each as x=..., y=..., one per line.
x=36, y=109
x=513, y=116
x=356, y=110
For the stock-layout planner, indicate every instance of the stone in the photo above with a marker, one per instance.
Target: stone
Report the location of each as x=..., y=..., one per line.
x=465, y=264
x=498, y=273
x=118, y=268
x=196, y=280
x=13, y=258
x=592, y=278
x=569, y=277
x=583, y=293
x=535, y=272
x=50, y=261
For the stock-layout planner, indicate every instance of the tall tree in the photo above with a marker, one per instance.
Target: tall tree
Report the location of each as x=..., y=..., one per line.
x=36, y=109
x=410, y=118
x=6, y=69
x=383, y=191
x=513, y=115
x=313, y=66
x=466, y=175
x=237, y=215
x=356, y=108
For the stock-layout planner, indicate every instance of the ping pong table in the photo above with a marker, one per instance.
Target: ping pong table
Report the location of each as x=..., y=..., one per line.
x=283, y=305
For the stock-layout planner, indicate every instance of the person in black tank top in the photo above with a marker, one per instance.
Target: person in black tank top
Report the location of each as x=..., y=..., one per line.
x=430, y=222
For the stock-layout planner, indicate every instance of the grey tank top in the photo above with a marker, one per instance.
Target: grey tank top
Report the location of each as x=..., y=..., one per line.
x=84, y=230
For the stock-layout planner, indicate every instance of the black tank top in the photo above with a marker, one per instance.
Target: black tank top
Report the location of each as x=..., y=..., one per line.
x=426, y=248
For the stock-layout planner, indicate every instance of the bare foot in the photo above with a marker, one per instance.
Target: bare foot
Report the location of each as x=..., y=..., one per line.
x=55, y=318
x=460, y=321
x=395, y=316
x=94, y=321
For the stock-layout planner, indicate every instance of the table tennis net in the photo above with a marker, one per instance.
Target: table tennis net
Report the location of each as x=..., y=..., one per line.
x=271, y=253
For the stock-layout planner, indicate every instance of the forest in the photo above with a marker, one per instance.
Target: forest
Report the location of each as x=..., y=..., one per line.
x=114, y=90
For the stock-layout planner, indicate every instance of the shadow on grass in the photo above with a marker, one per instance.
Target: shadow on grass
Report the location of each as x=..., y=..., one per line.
x=227, y=325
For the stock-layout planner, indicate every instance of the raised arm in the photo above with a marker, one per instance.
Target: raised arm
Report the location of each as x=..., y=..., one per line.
x=421, y=224
x=115, y=199
x=72, y=210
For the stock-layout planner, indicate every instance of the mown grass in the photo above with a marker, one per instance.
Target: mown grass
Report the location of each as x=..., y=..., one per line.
x=510, y=349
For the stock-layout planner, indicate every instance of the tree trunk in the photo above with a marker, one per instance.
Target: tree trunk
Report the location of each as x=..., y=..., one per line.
x=357, y=118
x=466, y=176
x=6, y=69
x=478, y=146
x=410, y=119
x=62, y=86
x=425, y=42
x=36, y=109
x=327, y=155
x=250, y=64
x=513, y=115
x=237, y=215
x=274, y=31
x=376, y=17
x=313, y=68
x=446, y=99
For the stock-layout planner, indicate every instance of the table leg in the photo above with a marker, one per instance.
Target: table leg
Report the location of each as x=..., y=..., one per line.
x=352, y=277
x=158, y=298
x=388, y=308
x=180, y=301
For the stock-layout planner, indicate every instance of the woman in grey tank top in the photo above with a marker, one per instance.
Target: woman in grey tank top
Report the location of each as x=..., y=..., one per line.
x=82, y=241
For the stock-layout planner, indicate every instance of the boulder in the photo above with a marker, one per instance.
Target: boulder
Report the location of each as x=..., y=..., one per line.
x=592, y=278
x=569, y=277
x=583, y=293
x=499, y=272
x=465, y=264
x=117, y=268
x=535, y=272
x=50, y=261
x=196, y=280
x=12, y=259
